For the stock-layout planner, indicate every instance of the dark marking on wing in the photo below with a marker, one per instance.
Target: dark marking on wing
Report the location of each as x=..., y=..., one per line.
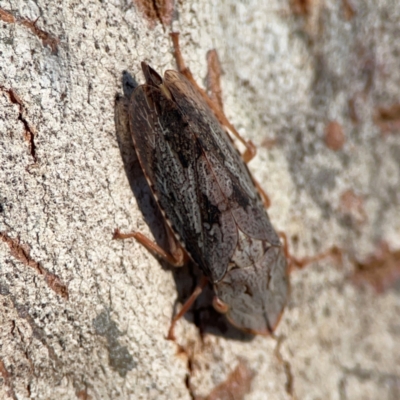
x=242, y=196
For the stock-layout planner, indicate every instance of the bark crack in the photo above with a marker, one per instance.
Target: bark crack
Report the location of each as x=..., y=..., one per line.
x=47, y=39
x=287, y=368
x=28, y=133
x=189, y=365
x=21, y=253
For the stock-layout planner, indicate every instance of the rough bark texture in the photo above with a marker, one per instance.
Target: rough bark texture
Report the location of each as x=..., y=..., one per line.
x=85, y=317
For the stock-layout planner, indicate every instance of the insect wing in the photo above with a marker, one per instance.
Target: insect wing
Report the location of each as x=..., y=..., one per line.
x=257, y=295
x=225, y=161
x=182, y=180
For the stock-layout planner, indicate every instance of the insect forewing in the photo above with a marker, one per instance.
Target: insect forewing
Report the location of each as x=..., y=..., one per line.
x=182, y=180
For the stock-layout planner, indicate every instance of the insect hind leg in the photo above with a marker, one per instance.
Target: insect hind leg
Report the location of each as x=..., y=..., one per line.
x=186, y=306
x=300, y=263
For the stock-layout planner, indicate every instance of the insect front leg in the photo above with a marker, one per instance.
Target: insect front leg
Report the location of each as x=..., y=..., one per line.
x=176, y=257
x=214, y=101
x=216, y=106
x=214, y=87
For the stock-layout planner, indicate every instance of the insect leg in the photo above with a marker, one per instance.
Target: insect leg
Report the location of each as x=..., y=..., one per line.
x=177, y=257
x=303, y=262
x=251, y=150
x=213, y=78
x=182, y=68
x=188, y=303
x=265, y=198
x=214, y=87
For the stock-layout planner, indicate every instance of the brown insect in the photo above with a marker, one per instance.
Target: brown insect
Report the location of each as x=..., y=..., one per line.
x=213, y=208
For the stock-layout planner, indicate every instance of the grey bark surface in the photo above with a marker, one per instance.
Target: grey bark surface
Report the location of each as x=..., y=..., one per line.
x=85, y=317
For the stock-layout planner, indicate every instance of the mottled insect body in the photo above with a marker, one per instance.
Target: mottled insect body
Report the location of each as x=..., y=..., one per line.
x=209, y=200
x=255, y=286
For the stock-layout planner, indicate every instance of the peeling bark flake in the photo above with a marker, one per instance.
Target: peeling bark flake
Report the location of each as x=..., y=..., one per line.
x=29, y=133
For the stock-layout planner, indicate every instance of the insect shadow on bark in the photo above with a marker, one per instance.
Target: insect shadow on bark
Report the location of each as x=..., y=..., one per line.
x=202, y=313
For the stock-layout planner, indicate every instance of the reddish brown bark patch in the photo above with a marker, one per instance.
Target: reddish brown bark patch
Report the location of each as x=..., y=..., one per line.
x=236, y=385
x=6, y=16
x=46, y=38
x=83, y=395
x=334, y=136
x=21, y=253
x=381, y=270
x=301, y=7
x=156, y=11
x=29, y=133
x=352, y=206
x=388, y=119
x=348, y=10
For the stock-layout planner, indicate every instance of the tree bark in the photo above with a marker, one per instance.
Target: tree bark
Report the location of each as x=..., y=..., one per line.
x=314, y=84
